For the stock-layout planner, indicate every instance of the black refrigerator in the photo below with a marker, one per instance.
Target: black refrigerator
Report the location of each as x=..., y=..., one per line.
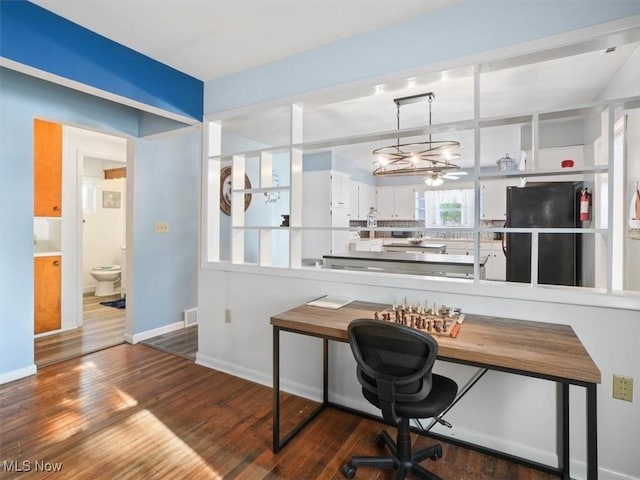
x=545, y=205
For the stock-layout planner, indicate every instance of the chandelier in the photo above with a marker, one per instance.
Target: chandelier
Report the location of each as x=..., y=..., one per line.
x=431, y=158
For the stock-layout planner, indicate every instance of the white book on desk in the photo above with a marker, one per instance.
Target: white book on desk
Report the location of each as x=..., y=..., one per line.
x=327, y=301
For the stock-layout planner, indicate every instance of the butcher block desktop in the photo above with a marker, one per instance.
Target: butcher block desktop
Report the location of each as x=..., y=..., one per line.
x=541, y=350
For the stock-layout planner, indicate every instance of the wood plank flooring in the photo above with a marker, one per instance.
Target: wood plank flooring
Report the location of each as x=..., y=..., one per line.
x=131, y=412
x=103, y=327
x=183, y=342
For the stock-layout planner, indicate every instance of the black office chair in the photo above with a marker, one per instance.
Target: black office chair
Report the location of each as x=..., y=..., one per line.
x=394, y=369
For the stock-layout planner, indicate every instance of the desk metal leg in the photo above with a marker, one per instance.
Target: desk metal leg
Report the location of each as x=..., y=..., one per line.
x=277, y=443
x=592, y=432
x=563, y=430
x=325, y=371
x=276, y=389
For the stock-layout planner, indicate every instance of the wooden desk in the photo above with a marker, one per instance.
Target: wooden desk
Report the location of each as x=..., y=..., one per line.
x=541, y=350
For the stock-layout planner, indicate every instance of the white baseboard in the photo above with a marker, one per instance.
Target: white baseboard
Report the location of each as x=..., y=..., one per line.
x=138, y=337
x=258, y=377
x=18, y=374
x=578, y=468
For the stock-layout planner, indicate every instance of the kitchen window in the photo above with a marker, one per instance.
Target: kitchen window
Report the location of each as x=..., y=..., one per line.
x=447, y=208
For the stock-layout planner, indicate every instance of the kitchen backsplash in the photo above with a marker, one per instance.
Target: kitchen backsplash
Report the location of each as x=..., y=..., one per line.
x=433, y=233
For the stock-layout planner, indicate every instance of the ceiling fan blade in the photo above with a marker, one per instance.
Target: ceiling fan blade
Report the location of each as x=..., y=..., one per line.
x=453, y=175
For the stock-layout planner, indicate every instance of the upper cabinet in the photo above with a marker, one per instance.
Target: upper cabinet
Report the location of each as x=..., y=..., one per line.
x=493, y=198
x=47, y=161
x=363, y=197
x=396, y=203
x=340, y=190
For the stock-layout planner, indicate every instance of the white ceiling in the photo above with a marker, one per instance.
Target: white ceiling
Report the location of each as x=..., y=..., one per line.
x=212, y=38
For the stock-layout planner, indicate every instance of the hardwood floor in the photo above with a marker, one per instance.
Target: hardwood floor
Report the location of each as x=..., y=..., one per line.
x=183, y=342
x=131, y=412
x=103, y=327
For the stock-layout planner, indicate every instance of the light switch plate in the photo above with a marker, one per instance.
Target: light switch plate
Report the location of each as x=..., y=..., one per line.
x=161, y=227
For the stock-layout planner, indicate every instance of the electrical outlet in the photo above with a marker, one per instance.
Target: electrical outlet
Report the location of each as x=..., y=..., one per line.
x=623, y=387
x=227, y=315
x=161, y=227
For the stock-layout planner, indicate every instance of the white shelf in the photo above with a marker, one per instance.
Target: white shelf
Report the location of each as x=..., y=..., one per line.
x=252, y=153
x=47, y=254
x=285, y=188
x=546, y=173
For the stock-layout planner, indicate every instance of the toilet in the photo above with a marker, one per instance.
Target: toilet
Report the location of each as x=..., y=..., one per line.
x=106, y=276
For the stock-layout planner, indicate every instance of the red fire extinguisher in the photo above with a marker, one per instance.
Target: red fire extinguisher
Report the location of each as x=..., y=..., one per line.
x=585, y=206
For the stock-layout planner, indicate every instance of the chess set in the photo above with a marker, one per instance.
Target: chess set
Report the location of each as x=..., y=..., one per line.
x=442, y=321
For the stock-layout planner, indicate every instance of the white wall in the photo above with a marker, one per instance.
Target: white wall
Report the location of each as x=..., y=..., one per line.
x=516, y=414
x=103, y=232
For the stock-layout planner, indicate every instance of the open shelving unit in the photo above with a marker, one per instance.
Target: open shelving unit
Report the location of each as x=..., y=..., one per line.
x=595, y=168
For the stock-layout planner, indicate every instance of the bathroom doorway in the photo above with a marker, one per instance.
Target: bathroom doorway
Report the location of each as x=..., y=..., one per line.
x=99, y=196
x=94, y=219
x=103, y=197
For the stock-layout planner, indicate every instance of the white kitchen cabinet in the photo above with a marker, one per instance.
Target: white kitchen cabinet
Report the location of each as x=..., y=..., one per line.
x=493, y=198
x=363, y=197
x=366, y=200
x=367, y=245
x=396, y=203
x=340, y=190
x=495, y=268
x=317, y=197
x=498, y=268
x=354, y=200
x=459, y=248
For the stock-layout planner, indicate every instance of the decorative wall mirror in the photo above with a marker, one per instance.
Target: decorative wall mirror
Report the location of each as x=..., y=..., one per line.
x=225, y=190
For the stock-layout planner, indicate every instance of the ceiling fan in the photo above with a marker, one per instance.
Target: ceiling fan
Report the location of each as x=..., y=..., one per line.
x=435, y=179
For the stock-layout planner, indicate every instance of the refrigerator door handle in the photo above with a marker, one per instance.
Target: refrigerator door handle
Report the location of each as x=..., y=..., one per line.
x=504, y=238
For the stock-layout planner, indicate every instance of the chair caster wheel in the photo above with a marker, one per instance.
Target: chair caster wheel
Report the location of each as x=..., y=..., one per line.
x=437, y=454
x=379, y=440
x=348, y=470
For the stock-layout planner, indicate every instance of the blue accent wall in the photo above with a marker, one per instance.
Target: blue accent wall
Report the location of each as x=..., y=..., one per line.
x=22, y=99
x=166, y=175
x=166, y=185
x=33, y=36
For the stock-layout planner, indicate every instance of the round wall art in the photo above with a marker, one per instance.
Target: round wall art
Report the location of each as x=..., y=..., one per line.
x=225, y=190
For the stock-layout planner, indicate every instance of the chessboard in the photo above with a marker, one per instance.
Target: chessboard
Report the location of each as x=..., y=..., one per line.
x=441, y=322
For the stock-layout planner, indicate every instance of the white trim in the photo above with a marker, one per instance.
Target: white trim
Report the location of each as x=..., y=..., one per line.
x=138, y=337
x=18, y=374
x=65, y=82
x=314, y=394
x=485, y=288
